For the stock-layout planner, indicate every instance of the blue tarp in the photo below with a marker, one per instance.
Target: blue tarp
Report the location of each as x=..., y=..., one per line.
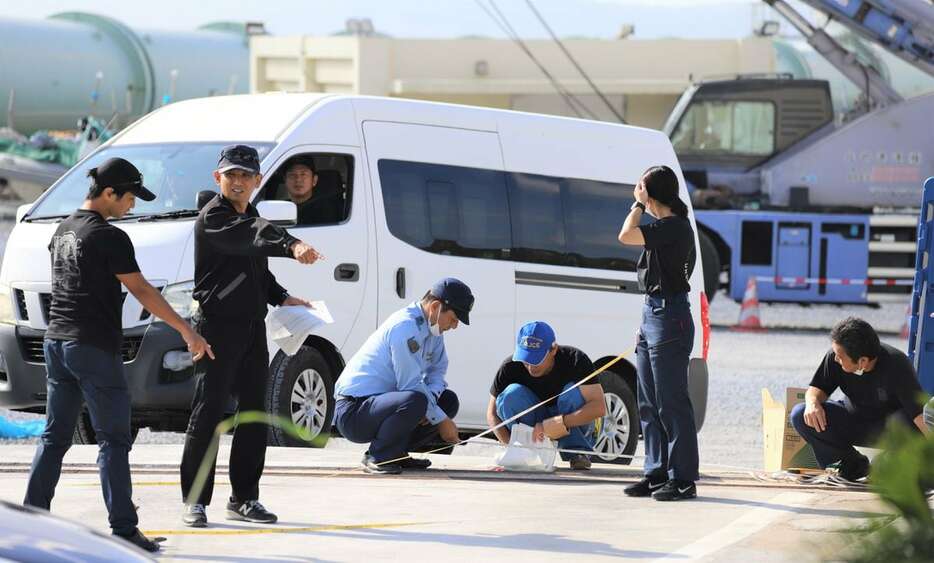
x=21, y=428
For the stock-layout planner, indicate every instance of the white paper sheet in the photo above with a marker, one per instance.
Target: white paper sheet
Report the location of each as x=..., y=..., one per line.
x=290, y=325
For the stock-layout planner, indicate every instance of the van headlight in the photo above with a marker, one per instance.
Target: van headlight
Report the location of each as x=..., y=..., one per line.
x=7, y=316
x=178, y=295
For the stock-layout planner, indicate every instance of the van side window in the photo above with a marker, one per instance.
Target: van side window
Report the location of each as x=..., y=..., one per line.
x=480, y=213
x=318, y=183
x=537, y=219
x=447, y=209
x=593, y=214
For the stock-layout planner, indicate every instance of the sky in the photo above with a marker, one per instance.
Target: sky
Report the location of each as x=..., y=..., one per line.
x=427, y=18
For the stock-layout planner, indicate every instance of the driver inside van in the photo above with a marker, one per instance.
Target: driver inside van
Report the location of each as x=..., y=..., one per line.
x=315, y=205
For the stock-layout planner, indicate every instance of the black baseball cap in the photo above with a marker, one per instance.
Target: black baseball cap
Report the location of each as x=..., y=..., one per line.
x=122, y=176
x=456, y=295
x=242, y=157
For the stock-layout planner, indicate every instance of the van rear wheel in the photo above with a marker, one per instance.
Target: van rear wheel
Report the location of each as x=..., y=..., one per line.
x=301, y=390
x=617, y=433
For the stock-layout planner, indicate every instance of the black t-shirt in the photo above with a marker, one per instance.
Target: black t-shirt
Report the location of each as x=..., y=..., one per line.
x=87, y=301
x=319, y=210
x=889, y=387
x=571, y=365
x=667, y=262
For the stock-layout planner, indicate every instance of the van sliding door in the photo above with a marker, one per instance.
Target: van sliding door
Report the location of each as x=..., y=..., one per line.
x=441, y=210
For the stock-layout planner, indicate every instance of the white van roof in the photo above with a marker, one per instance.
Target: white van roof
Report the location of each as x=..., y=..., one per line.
x=248, y=118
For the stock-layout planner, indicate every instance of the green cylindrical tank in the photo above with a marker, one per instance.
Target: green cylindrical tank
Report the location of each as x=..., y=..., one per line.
x=76, y=64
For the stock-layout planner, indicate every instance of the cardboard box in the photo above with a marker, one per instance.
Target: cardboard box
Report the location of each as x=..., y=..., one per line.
x=784, y=448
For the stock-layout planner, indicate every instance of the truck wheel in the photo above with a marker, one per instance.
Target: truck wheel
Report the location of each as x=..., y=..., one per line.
x=617, y=433
x=301, y=389
x=710, y=260
x=84, y=430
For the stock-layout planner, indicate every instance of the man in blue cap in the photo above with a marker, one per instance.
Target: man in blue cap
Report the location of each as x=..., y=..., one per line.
x=540, y=370
x=393, y=394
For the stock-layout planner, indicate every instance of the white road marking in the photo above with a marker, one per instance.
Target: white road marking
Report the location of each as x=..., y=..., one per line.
x=746, y=525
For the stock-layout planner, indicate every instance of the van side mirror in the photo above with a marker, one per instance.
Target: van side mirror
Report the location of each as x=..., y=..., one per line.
x=283, y=213
x=22, y=210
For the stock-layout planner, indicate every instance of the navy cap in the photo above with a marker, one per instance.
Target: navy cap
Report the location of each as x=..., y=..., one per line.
x=456, y=295
x=122, y=176
x=242, y=157
x=533, y=342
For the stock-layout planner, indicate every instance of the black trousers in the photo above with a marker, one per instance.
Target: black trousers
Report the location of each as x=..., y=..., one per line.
x=390, y=422
x=241, y=369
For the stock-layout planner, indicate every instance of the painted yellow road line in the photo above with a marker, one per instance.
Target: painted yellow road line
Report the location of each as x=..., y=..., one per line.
x=259, y=531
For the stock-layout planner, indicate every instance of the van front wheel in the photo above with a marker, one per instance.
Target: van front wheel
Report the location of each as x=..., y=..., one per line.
x=617, y=433
x=301, y=390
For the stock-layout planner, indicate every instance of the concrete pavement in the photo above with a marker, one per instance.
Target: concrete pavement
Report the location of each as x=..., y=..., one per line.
x=460, y=510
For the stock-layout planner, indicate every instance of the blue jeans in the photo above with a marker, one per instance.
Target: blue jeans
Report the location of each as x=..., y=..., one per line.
x=663, y=350
x=515, y=398
x=844, y=430
x=80, y=373
x=390, y=421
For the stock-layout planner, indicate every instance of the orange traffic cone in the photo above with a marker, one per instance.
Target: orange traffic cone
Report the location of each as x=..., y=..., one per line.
x=749, y=312
x=905, y=327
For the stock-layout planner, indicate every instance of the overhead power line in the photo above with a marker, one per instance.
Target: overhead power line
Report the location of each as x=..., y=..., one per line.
x=574, y=61
x=503, y=23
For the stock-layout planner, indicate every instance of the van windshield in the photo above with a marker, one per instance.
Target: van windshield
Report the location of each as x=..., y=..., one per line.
x=174, y=172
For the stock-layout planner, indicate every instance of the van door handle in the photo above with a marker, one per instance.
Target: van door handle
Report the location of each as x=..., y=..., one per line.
x=347, y=272
x=400, y=283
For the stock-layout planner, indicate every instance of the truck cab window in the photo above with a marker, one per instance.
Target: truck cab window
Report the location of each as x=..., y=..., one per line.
x=733, y=127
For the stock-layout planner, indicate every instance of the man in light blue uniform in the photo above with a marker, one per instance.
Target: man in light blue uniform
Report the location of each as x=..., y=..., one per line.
x=393, y=392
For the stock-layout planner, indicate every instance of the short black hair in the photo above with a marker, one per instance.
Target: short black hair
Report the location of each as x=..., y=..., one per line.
x=303, y=161
x=97, y=189
x=856, y=337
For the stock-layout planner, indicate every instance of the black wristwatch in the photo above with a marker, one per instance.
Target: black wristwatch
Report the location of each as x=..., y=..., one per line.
x=640, y=205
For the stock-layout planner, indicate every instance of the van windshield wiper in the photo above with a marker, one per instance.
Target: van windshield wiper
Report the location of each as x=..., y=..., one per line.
x=30, y=219
x=181, y=213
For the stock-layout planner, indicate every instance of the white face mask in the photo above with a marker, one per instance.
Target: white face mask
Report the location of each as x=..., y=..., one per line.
x=434, y=328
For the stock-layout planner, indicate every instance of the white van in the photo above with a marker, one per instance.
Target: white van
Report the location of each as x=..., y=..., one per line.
x=524, y=208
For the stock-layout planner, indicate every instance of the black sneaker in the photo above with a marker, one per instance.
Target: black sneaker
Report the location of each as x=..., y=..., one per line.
x=195, y=516
x=373, y=467
x=645, y=487
x=415, y=463
x=676, y=490
x=139, y=540
x=250, y=511
x=854, y=468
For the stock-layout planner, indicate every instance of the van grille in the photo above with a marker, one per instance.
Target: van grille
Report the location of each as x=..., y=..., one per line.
x=33, y=353
x=21, y=304
x=45, y=299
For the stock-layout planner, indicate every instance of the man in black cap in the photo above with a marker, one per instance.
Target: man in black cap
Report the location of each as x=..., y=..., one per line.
x=233, y=286
x=90, y=259
x=393, y=392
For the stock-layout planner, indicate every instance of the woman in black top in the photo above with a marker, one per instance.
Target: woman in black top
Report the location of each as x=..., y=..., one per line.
x=665, y=338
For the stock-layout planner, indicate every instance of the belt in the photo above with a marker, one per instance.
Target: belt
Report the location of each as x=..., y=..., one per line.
x=664, y=302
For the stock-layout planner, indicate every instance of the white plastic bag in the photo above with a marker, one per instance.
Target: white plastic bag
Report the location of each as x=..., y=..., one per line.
x=524, y=454
x=290, y=325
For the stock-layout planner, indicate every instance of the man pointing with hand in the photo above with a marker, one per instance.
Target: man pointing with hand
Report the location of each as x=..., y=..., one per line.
x=233, y=286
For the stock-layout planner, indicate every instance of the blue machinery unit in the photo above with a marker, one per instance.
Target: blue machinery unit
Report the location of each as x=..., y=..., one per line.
x=921, y=320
